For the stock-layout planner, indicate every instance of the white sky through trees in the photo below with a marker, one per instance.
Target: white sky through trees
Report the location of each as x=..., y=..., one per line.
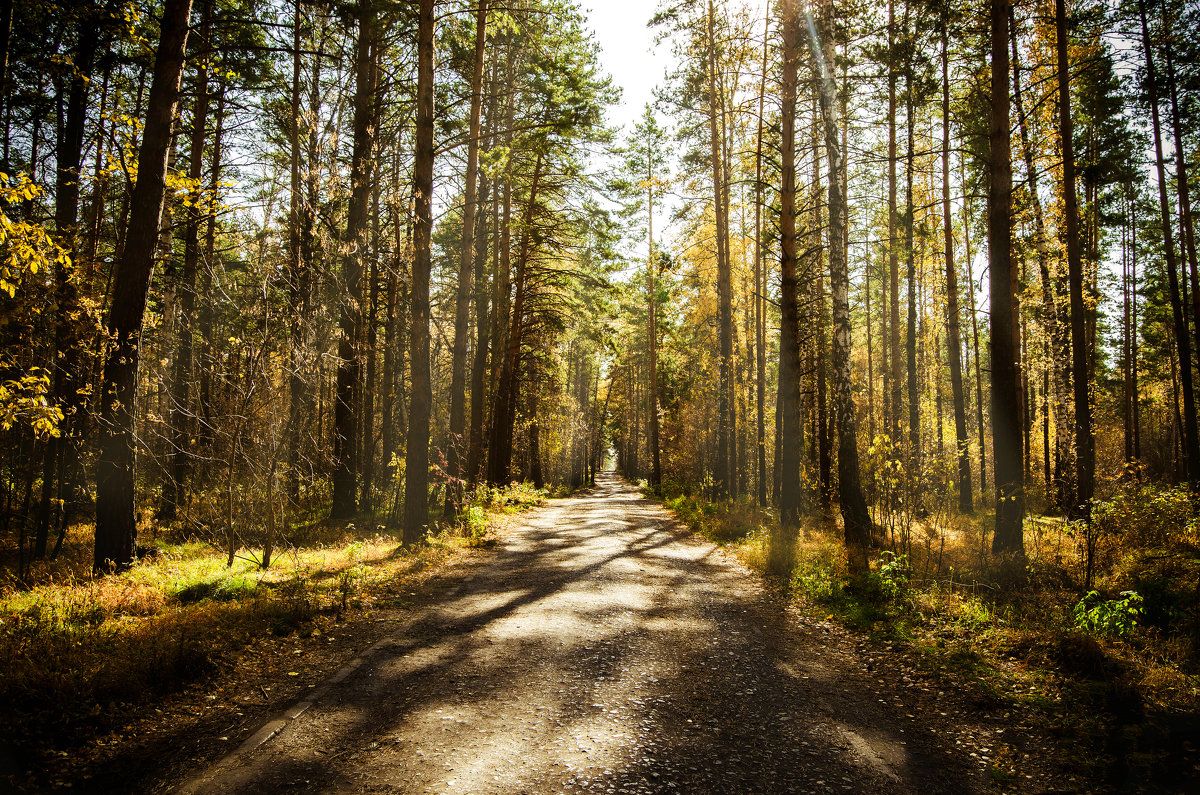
x=627, y=53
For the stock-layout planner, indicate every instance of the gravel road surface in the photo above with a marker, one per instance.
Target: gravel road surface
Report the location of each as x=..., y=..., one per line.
x=604, y=648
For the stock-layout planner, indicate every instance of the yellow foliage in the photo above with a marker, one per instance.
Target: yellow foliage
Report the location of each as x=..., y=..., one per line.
x=25, y=248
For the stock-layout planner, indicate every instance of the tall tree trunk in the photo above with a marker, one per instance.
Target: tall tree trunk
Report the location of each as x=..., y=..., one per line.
x=370, y=384
x=61, y=451
x=1126, y=358
x=789, y=430
x=953, y=332
x=416, y=465
x=1006, y=400
x=115, y=524
x=910, y=338
x=507, y=388
x=1187, y=237
x=482, y=341
x=6, y=17
x=1085, y=444
x=760, y=283
x=821, y=421
x=1056, y=329
x=652, y=322
x=1191, y=447
x=724, y=471
x=300, y=279
x=855, y=516
x=1134, y=332
x=348, y=405
x=462, y=303
x=181, y=381
x=970, y=257
x=896, y=376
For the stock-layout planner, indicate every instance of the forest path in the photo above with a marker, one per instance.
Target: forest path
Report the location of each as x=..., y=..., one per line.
x=606, y=649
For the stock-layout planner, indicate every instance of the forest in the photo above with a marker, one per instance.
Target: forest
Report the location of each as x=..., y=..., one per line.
x=900, y=301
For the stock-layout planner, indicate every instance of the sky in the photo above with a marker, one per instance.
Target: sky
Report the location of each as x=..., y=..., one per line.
x=627, y=53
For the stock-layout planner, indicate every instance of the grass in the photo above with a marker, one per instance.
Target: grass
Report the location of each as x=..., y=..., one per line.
x=76, y=649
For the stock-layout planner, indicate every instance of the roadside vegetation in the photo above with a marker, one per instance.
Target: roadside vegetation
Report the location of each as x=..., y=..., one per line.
x=1099, y=631
x=80, y=653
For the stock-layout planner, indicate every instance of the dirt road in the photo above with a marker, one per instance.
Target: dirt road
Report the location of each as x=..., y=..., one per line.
x=605, y=649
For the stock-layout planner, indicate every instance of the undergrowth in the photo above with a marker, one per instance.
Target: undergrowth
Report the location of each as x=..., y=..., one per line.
x=1098, y=629
x=76, y=649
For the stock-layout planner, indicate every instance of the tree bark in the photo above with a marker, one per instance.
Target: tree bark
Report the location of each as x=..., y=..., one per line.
x=1006, y=400
x=416, y=466
x=462, y=304
x=1085, y=444
x=300, y=222
x=348, y=405
x=896, y=379
x=652, y=322
x=910, y=338
x=725, y=474
x=855, y=516
x=1187, y=237
x=504, y=414
x=789, y=428
x=953, y=332
x=115, y=523
x=760, y=283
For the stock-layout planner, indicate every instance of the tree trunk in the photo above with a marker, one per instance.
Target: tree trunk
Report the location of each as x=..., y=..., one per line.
x=760, y=283
x=482, y=341
x=724, y=472
x=348, y=405
x=855, y=515
x=181, y=381
x=1085, y=445
x=893, y=255
x=483, y=324
x=462, y=303
x=416, y=466
x=300, y=223
x=953, y=334
x=115, y=523
x=970, y=257
x=910, y=338
x=504, y=413
x=652, y=331
x=1187, y=237
x=1006, y=401
x=1191, y=448
x=1055, y=328
x=62, y=451
x=789, y=431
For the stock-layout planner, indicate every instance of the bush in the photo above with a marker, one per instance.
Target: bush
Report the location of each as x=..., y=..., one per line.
x=893, y=576
x=1147, y=517
x=1112, y=617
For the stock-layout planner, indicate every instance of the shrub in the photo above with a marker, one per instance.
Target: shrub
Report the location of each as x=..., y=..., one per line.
x=1113, y=617
x=893, y=576
x=1147, y=516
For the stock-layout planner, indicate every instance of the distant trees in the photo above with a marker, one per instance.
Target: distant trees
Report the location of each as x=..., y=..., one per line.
x=361, y=261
